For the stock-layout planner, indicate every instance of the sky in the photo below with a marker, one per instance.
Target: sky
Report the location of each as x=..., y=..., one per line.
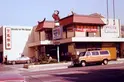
x=28, y=12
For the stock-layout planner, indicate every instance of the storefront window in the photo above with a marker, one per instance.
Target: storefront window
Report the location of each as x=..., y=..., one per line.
x=48, y=35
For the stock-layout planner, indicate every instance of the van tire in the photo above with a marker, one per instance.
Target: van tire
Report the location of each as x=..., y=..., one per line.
x=83, y=63
x=105, y=62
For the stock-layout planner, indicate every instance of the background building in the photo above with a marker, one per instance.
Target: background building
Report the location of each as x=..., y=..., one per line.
x=13, y=42
x=122, y=31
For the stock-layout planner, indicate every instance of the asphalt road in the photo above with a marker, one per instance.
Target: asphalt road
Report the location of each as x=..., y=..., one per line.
x=100, y=73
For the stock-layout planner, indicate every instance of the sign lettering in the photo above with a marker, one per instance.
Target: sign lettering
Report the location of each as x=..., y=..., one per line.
x=8, y=38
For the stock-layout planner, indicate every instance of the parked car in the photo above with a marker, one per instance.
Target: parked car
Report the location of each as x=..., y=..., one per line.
x=96, y=56
x=21, y=60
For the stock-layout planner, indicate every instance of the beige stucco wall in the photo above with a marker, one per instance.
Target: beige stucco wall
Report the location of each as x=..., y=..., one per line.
x=1, y=31
x=31, y=52
x=36, y=35
x=42, y=35
x=70, y=32
x=80, y=34
x=1, y=47
x=1, y=34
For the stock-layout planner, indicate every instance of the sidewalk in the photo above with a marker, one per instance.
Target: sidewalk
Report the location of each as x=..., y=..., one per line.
x=64, y=65
x=44, y=67
x=118, y=61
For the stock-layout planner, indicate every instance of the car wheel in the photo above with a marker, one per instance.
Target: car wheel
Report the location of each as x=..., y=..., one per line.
x=13, y=63
x=83, y=63
x=28, y=61
x=72, y=64
x=105, y=62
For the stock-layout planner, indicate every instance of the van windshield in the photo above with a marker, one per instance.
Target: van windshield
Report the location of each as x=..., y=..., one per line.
x=82, y=54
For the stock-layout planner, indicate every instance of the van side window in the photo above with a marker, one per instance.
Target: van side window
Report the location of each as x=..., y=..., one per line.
x=95, y=53
x=88, y=54
x=104, y=52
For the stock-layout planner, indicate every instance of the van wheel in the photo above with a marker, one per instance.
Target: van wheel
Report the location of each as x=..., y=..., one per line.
x=105, y=62
x=13, y=63
x=83, y=63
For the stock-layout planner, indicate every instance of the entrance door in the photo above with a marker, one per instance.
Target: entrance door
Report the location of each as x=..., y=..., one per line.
x=52, y=51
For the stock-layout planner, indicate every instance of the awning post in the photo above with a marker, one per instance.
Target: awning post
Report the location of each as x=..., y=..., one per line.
x=58, y=58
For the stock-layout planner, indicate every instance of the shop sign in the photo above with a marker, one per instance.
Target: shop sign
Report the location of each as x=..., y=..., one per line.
x=57, y=33
x=21, y=29
x=110, y=29
x=8, y=44
x=86, y=28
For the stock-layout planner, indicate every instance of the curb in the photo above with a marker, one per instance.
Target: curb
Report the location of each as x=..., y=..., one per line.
x=45, y=67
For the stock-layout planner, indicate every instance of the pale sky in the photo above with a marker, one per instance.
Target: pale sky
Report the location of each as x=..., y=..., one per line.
x=28, y=12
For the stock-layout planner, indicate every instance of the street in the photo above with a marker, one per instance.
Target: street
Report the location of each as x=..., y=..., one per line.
x=108, y=73
x=96, y=73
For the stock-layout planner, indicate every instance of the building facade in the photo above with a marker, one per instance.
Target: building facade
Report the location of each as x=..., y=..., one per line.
x=75, y=34
x=14, y=42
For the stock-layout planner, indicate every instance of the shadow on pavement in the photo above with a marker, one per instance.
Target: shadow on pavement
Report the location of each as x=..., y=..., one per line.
x=104, y=75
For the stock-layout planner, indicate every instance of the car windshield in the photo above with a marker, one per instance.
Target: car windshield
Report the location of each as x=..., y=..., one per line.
x=82, y=54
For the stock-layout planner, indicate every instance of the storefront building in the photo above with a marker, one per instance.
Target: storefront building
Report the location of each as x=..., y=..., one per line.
x=14, y=42
x=75, y=34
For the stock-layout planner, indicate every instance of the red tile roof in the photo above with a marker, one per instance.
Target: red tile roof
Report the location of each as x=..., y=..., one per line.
x=75, y=18
x=83, y=19
x=44, y=24
x=97, y=15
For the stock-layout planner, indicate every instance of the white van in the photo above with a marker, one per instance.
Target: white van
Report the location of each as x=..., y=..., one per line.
x=96, y=56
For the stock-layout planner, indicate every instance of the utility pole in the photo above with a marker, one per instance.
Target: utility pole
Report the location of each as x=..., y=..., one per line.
x=107, y=11
x=114, y=12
